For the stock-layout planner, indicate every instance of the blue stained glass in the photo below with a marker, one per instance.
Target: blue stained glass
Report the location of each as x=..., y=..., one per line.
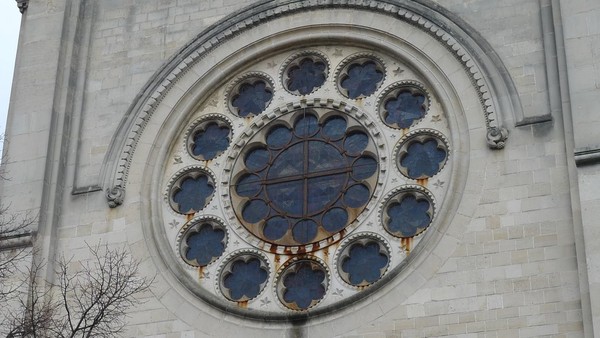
x=257, y=159
x=248, y=185
x=290, y=162
x=287, y=197
x=193, y=194
x=335, y=128
x=355, y=143
x=245, y=279
x=255, y=210
x=323, y=156
x=306, y=126
x=252, y=98
x=405, y=109
x=205, y=245
x=335, y=219
x=363, y=168
x=323, y=191
x=357, y=196
x=423, y=159
x=276, y=227
x=301, y=174
x=408, y=217
x=304, y=286
x=362, y=79
x=304, y=231
x=211, y=141
x=364, y=263
x=278, y=137
x=306, y=77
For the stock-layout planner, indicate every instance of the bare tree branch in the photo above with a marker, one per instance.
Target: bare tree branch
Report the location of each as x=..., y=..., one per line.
x=97, y=297
x=94, y=297
x=14, y=230
x=34, y=316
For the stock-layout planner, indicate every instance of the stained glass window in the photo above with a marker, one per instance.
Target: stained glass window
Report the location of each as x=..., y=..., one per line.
x=423, y=159
x=408, y=217
x=307, y=175
x=364, y=263
x=192, y=193
x=252, y=98
x=362, y=79
x=306, y=77
x=403, y=110
x=210, y=140
x=304, y=285
x=205, y=245
x=300, y=187
x=245, y=279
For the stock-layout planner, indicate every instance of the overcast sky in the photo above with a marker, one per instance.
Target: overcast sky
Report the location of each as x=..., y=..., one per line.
x=10, y=20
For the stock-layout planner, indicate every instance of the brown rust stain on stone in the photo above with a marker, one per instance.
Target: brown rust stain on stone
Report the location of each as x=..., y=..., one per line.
x=277, y=261
x=406, y=244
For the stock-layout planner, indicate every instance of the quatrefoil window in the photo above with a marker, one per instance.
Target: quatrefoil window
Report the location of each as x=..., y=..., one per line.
x=209, y=139
x=407, y=214
x=422, y=154
x=302, y=284
x=404, y=108
x=251, y=96
x=191, y=192
x=305, y=74
x=361, y=78
x=203, y=243
x=243, y=278
x=363, y=261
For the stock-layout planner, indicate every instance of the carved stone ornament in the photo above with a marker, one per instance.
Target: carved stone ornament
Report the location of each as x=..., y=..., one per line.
x=496, y=137
x=115, y=196
x=22, y=4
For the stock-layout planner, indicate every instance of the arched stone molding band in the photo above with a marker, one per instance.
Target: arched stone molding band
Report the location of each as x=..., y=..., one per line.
x=200, y=91
x=489, y=77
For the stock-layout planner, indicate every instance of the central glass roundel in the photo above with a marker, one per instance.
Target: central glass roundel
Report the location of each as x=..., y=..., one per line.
x=305, y=177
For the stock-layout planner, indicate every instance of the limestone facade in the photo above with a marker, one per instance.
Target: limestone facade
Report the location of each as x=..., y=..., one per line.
x=110, y=89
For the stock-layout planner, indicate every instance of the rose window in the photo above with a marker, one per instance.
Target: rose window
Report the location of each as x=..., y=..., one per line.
x=304, y=179
x=301, y=183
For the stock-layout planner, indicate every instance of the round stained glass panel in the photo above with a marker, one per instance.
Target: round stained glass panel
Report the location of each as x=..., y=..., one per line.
x=297, y=187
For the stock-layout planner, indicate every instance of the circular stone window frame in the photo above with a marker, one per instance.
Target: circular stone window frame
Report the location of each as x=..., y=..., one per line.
x=162, y=108
x=397, y=195
x=286, y=269
x=194, y=172
x=287, y=115
x=192, y=227
x=393, y=90
x=360, y=58
x=361, y=238
x=186, y=286
x=294, y=60
x=225, y=267
x=420, y=135
x=247, y=78
x=200, y=124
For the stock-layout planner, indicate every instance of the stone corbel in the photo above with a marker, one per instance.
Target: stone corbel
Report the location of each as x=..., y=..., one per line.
x=22, y=4
x=496, y=137
x=115, y=196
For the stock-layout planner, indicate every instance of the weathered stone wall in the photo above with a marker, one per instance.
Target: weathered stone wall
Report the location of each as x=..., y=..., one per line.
x=520, y=264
